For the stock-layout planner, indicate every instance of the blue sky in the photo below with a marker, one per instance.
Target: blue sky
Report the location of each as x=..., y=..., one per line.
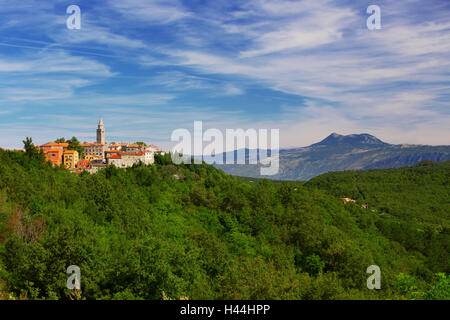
x=308, y=68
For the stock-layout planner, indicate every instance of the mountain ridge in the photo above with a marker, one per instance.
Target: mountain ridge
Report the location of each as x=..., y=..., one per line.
x=362, y=138
x=342, y=152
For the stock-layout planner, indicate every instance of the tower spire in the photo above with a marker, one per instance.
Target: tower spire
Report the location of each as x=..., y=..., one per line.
x=101, y=132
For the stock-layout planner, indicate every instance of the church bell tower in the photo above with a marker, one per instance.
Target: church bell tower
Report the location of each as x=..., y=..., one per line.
x=101, y=132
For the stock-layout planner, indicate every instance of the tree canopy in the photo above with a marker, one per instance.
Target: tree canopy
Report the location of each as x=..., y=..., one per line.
x=174, y=231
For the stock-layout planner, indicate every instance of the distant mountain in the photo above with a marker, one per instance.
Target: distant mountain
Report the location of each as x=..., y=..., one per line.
x=342, y=152
x=363, y=139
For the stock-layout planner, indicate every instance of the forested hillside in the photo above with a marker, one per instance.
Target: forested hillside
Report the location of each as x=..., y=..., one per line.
x=192, y=231
x=413, y=204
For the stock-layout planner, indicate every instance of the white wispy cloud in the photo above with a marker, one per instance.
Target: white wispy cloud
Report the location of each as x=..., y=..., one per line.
x=392, y=81
x=46, y=76
x=154, y=11
x=379, y=79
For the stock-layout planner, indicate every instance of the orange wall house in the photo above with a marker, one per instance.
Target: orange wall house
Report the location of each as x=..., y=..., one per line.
x=83, y=164
x=54, y=156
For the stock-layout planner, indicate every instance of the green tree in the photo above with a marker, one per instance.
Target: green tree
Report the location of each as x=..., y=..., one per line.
x=74, y=144
x=209, y=235
x=31, y=150
x=407, y=285
x=163, y=159
x=440, y=288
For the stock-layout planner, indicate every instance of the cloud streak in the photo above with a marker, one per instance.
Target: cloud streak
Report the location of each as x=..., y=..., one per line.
x=321, y=68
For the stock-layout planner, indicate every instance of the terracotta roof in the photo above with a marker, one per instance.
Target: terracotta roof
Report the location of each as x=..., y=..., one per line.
x=70, y=151
x=50, y=144
x=114, y=156
x=54, y=144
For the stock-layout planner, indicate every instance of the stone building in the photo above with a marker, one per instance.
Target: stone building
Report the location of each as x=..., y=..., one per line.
x=99, y=147
x=149, y=157
x=132, y=147
x=125, y=159
x=122, y=159
x=94, y=149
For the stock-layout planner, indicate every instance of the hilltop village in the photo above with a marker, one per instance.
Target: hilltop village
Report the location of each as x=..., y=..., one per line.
x=99, y=154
